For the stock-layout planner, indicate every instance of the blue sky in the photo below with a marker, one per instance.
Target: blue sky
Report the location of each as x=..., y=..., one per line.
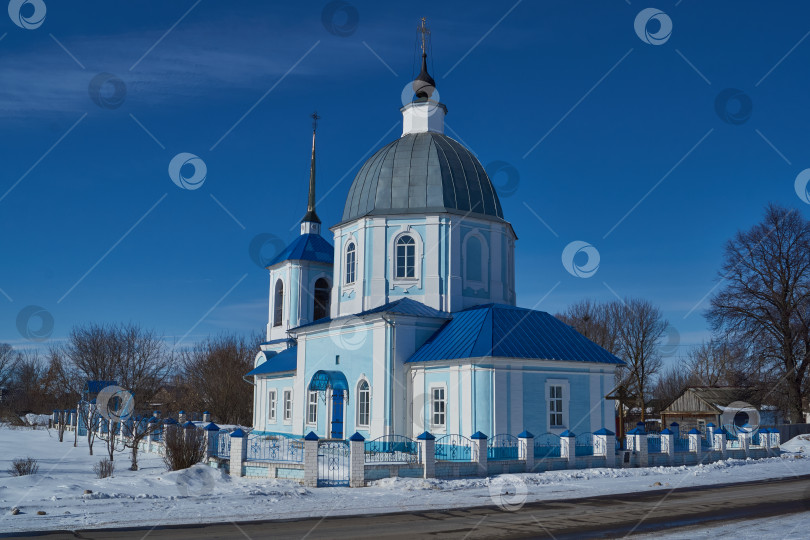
x=93, y=229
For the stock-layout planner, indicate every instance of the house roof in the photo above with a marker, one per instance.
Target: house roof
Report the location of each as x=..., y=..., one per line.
x=403, y=306
x=286, y=360
x=307, y=247
x=712, y=398
x=498, y=330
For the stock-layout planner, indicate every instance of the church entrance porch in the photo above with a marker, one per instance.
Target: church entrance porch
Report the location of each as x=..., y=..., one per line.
x=335, y=390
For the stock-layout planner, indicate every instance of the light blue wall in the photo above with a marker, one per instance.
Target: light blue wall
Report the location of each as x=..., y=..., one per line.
x=535, y=408
x=356, y=358
x=278, y=384
x=482, y=387
x=433, y=377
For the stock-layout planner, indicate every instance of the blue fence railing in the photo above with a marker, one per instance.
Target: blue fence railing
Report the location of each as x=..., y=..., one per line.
x=391, y=449
x=454, y=448
x=269, y=448
x=653, y=443
x=547, y=446
x=224, y=444
x=583, y=446
x=502, y=447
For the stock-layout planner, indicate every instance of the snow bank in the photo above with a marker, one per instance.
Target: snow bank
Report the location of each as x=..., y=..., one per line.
x=36, y=419
x=800, y=444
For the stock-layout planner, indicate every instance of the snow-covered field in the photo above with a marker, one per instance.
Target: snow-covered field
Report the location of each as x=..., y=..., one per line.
x=153, y=496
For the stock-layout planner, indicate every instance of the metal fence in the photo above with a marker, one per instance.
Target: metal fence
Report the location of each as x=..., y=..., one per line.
x=547, y=446
x=391, y=449
x=654, y=443
x=271, y=448
x=223, y=444
x=454, y=448
x=583, y=446
x=681, y=443
x=502, y=446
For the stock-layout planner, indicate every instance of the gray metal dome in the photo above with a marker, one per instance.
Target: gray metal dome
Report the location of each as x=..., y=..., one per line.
x=422, y=173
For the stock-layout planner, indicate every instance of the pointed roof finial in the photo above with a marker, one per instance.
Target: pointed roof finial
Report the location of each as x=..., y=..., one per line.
x=424, y=85
x=311, y=216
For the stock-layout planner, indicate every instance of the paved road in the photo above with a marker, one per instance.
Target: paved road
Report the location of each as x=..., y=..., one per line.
x=595, y=517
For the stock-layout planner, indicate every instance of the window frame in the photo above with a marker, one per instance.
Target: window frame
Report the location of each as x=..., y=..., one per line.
x=272, y=416
x=288, y=405
x=555, y=406
x=564, y=400
x=400, y=243
x=312, y=408
x=361, y=392
x=350, y=266
x=418, y=252
x=278, y=303
x=439, y=427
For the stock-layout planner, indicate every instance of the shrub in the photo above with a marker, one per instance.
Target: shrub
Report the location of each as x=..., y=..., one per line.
x=24, y=466
x=104, y=468
x=182, y=447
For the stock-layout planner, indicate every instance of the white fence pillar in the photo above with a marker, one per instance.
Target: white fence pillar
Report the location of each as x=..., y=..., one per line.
x=526, y=450
x=357, y=460
x=479, y=449
x=604, y=444
x=568, y=450
x=211, y=434
x=711, y=429
x=311, y=460
x=427, y=454
x=744, y=436
x=694, y=443
x=238, y=452
x=776, y=440
x=206, y=417
x=637, y=442
x=720, y=442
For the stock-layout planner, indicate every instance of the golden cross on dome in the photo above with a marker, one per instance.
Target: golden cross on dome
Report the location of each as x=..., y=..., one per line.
x=424, y=30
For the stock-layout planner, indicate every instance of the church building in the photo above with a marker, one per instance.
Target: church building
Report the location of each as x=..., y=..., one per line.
x=406, y=321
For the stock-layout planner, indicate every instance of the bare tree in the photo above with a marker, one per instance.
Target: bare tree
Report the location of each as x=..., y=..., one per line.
x=595, y=321
x=641, y=327
x=8, y=363
x=718, y=363
x=671, y=383
x=765, y=299
x=88, y=415
x=135, y=431
x=212, y=377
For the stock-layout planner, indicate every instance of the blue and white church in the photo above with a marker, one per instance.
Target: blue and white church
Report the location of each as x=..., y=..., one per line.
x=407, y=320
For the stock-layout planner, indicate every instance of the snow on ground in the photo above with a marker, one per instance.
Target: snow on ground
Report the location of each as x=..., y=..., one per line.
x=37, y=419
x=789, y=527
x=153, y=496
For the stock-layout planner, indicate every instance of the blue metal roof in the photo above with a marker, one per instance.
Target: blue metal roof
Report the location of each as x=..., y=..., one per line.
x=307, y=247
x=403, y=306
x=286, y=360
x=497, y=330
x=94, y=387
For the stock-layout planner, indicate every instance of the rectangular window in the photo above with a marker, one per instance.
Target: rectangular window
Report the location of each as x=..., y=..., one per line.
x=555, y=406
x=271, y=406
x=287, y=405
x=437, y=407
x=312, y=408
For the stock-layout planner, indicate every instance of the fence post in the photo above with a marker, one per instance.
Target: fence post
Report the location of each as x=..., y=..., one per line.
x=568, y=447
x=427, y=453
x=604, y=444
x=187, y=427
x=694, y=442
x=181, y=417
x=357, y=460
x=744, y=436
x=211, y=433
x=526, y=450
x=710, y=430
x=311, y=460
x=668, y=444
x=238, y=452
x=206, y=417
x=480, y=448
x=720, y=442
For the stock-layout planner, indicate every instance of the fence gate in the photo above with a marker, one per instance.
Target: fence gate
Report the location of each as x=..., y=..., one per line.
x=333, y=463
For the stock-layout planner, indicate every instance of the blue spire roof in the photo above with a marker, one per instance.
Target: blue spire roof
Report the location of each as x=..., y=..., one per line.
x=307, y=247
x=498, y=330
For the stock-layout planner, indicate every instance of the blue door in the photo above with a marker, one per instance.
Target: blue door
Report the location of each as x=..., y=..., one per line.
x=337, y=415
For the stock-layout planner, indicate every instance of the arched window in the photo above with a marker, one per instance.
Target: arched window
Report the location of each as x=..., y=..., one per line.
x=351, y=263
x=473, y=259
x=278, y=303
x=321, y=299
x=363, y=404
x=405, y=257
